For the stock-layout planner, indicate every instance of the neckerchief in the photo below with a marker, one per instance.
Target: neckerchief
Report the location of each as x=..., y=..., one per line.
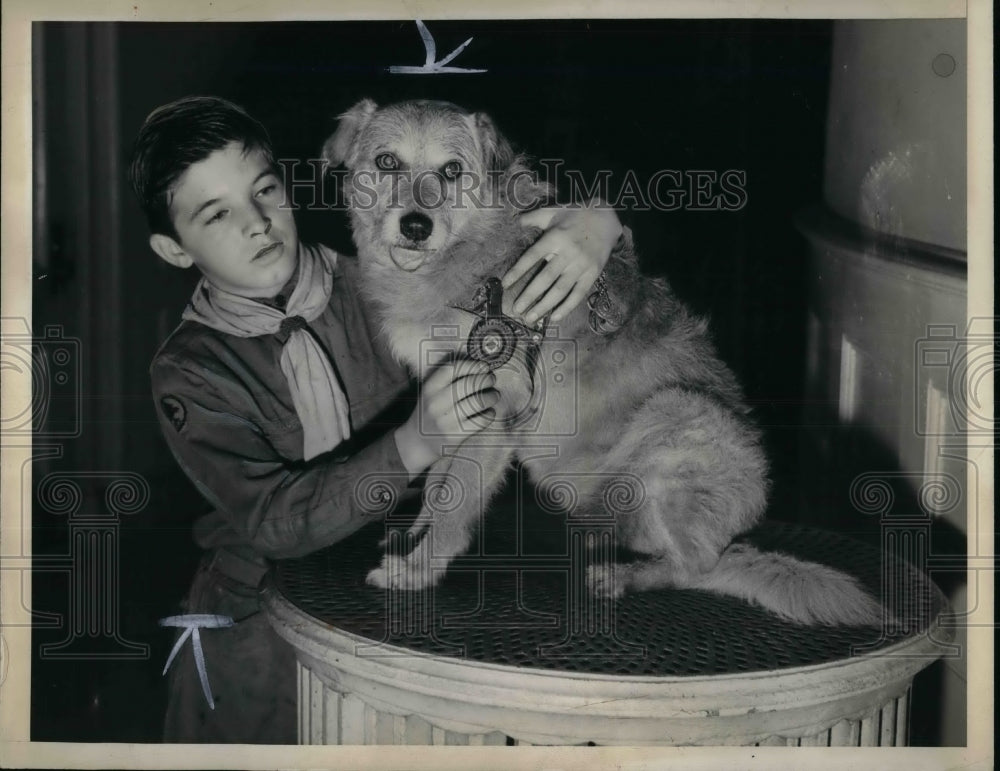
x=319, y=400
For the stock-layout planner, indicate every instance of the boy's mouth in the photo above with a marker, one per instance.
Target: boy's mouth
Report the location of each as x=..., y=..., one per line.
x=266, y=250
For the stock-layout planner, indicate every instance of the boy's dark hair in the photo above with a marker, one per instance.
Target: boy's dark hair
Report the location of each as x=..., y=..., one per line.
x=179, y=134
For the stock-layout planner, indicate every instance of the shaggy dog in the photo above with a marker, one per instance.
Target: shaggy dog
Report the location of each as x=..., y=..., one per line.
x=649, y=425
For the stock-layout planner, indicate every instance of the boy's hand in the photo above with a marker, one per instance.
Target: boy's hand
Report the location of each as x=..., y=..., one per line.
x=576, y=244
x=457, y=399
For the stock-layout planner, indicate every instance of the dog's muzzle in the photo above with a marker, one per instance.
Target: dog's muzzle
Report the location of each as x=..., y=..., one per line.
x=415, y=228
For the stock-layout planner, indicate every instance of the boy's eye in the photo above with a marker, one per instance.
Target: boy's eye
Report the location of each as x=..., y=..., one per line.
x=451, y=169
x=218, y=216
x=387, y=162
x=267, y=190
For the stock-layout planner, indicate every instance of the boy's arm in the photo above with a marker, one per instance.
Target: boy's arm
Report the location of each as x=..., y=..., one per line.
x=576, y=243
x=280, y=508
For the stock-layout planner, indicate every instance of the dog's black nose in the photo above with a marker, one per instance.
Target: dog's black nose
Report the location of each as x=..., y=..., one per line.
x=416, y=226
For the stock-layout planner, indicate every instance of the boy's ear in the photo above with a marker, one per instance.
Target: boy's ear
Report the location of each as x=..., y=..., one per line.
x=339, y=148
x=170, y=251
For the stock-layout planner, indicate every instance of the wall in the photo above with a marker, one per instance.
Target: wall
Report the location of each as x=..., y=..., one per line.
x=895, y=157
x=889, y=345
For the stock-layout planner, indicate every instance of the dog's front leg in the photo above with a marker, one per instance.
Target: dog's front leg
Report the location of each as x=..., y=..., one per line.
x=457, y=493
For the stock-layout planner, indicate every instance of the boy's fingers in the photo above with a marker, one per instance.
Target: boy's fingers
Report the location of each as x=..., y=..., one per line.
x=448, y=373
x=474, y=375
x=539, y=218
x=465, y=386
x=568, y=304
x=471, y=387
x=542, y=283
x=479, y=421
x=459, y=406
x=525, y=263
x=439, y=378
x=470, y=366
x=581, y=289
x=542, y=249
x=487, y=397
x=557, y=293
x=475, y=403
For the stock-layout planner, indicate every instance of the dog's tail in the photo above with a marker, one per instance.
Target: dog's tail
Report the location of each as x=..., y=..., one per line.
x=798, y=591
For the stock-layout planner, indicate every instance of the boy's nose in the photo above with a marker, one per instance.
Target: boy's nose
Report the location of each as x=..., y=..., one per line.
x=258, y=222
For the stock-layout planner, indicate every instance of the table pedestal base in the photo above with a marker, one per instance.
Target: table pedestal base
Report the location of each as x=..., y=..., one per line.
x=327, y=716
x=458, y=666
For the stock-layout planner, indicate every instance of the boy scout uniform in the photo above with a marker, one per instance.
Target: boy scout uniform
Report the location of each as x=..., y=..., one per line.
x=226, y=412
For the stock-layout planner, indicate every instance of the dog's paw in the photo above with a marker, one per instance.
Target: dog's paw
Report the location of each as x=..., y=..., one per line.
x=603, y=581
x=378, y=577
x=407, y=573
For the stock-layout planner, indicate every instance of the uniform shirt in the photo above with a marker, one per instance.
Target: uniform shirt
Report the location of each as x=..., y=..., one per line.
x=227, y=415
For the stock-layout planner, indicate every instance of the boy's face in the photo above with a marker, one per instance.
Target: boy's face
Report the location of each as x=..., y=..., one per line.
x=227, y=210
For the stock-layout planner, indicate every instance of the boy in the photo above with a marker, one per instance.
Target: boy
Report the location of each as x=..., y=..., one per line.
x=275, y=395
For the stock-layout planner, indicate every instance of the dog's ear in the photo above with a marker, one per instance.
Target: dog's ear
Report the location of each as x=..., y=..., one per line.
x=496, y=151
x=338, y=148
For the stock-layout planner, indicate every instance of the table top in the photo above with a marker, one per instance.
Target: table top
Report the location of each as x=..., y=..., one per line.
x=514, y=610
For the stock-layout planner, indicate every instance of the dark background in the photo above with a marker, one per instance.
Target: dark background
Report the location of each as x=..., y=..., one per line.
x=623, y=95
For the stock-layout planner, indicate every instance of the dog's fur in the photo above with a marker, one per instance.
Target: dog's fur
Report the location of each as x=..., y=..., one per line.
x=655, y=409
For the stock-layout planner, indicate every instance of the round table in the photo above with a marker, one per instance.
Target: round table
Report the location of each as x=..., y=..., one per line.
x=508, y=649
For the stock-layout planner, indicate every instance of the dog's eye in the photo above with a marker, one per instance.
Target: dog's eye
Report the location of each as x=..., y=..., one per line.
x=387, y=162
x=451, y=169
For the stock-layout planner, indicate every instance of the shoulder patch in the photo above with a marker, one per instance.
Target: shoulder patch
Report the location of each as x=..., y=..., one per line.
x=173, y=409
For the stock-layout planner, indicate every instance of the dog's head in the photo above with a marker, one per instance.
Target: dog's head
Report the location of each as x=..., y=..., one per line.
x=425, y=175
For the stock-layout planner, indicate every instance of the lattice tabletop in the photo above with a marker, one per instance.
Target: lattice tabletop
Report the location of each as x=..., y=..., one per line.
x=514, y=610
